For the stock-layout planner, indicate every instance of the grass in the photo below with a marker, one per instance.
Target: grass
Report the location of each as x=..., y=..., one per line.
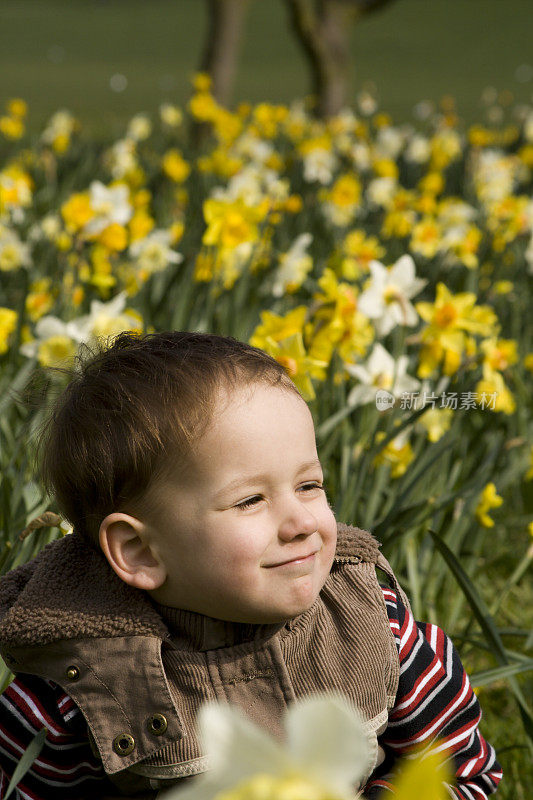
x=62, y=53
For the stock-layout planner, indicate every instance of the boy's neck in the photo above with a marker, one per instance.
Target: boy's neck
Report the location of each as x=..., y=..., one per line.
x=199, y=632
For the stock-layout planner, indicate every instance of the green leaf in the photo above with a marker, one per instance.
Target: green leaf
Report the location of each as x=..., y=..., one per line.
x=496, y=674
x=29, y=756
x=487, y=625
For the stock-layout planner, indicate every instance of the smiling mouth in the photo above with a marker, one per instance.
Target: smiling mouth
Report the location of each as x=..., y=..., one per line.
x=297, y=560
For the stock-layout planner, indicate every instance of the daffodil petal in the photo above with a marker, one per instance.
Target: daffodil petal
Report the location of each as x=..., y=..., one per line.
x=339, y=757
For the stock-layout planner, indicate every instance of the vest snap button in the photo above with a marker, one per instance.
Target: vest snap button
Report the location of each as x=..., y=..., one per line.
x=73, y=673
x=157, y=724
x=123, y=744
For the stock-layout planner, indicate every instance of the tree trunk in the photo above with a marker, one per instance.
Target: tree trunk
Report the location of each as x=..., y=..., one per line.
x=226, y=22
x=323, y=29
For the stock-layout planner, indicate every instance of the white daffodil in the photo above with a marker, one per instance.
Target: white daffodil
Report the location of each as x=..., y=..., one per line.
x=106, y=319
x=386, y=300
x=170, y=115
x=13, y=252
x=153, y=253
x=380, y=191
x=293, y=266
x=319, y=165
x=252, y=184
x=56, y=342
x=453, y=211
x=380, y=371
x=139, y=127
x=245, y=762
x=418, y=150
x=121, y=158
x=110, y=204
x=60, y=124
x=256, y=150
x=360, y=154
x=389, y=142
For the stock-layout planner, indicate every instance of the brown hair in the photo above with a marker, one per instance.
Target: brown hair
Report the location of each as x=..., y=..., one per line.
x=133, y=411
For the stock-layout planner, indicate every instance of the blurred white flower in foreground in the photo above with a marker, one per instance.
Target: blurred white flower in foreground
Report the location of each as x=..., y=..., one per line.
x=325, y=755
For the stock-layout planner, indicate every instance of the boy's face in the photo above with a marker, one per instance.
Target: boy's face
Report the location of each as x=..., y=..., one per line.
x=225, y=549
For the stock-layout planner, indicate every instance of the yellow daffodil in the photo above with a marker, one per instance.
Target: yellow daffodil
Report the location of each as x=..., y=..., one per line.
x=39, y=299
x=16, y=107
x=16, y=190
x=489, y=499
x=220, y=162
x=499, y=353
x=8, y=323
x=398, y=454
x=436, y=421
x=300, y=366
x=114, y=237
x=426, y=238
x=449, y=319
x=140, y=224
x=358, y=251
x=203, y=106
x=175, y=166
x=496, y=394
x=340, y=203
x=445, y=147
x=278, y=327
x=347, y=328
x=229, y=224
x=77, y=211
x=11, y=127
x=433, y=183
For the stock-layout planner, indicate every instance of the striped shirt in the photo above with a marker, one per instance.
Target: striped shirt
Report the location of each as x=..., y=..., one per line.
x=435, y=705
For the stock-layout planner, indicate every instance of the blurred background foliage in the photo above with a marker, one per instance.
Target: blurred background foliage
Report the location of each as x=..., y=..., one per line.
x=64, y=53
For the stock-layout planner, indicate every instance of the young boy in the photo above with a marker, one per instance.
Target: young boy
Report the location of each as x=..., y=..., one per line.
x=206, y=563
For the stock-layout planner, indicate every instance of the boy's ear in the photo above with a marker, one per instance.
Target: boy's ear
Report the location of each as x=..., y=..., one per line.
x=123, y=541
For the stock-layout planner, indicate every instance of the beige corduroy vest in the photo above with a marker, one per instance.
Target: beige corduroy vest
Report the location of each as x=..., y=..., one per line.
x=139, y=672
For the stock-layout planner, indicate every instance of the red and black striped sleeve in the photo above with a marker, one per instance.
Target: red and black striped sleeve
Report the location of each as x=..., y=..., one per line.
x=66, y=768
x=435, y=707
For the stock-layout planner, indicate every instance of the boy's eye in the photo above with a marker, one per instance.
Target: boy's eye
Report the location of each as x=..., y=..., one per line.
x=251, y=501
x=312, y=485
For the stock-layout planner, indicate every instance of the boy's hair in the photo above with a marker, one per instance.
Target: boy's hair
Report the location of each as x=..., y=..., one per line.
x=132, y=413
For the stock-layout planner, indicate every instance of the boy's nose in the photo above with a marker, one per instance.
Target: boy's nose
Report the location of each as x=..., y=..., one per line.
x=296, y=521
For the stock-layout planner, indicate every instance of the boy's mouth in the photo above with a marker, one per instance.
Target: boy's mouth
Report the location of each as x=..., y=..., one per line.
x=296, y=560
